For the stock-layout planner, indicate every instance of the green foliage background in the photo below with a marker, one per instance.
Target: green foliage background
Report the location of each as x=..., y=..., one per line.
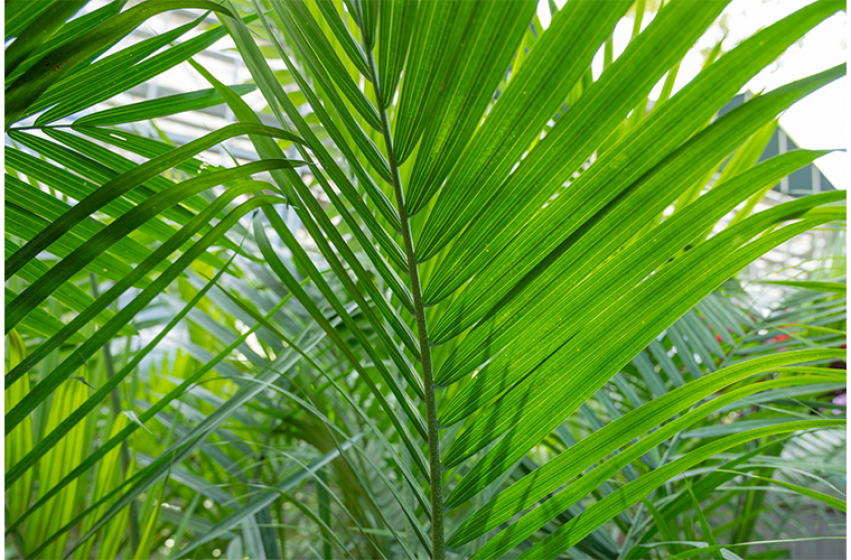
x=468, y=302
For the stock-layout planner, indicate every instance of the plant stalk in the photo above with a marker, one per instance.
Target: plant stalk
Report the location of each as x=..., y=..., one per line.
x=437, y=538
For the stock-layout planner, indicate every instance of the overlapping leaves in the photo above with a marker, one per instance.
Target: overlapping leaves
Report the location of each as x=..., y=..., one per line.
x=492, y=241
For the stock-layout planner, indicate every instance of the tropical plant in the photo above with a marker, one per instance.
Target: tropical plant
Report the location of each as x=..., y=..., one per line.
x=477, y=302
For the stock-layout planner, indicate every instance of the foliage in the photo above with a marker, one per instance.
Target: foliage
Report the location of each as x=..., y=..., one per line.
x=473, y=300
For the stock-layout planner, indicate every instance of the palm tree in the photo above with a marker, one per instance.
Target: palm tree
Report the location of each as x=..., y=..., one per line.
x=474, y=298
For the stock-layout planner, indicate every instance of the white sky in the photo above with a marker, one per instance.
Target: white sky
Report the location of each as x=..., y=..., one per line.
x=819, y=121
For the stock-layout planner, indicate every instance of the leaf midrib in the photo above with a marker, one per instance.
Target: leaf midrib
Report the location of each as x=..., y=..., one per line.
x=438, y=540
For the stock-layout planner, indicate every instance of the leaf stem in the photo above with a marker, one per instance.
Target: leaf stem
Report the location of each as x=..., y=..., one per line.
x=437, y=538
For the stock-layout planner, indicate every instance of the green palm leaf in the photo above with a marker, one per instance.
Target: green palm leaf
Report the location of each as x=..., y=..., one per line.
x=475, y=298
